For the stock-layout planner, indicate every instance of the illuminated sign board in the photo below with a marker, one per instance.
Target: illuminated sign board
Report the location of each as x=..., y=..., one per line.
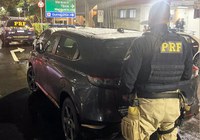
x=60, y=8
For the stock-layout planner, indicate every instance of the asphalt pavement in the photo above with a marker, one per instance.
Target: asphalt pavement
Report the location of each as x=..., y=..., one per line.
x=16, y=120
x=29, y=117
x=26, y=116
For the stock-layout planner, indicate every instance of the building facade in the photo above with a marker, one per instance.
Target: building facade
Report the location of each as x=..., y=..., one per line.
x=133, y=14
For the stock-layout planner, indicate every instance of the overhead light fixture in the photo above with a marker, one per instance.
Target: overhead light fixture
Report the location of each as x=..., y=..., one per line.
x=182, y=7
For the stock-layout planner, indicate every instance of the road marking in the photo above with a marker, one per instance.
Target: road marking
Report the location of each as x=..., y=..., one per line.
x=14, y=55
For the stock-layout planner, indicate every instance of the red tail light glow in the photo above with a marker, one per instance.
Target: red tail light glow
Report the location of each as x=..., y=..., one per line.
x=103, y=82
x=195, y=71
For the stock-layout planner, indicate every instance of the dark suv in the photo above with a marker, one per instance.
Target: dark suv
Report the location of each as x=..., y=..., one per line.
x=78, y=69
x=16, y=29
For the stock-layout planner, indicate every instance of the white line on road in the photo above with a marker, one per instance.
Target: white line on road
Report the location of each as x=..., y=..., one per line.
x=14, y=55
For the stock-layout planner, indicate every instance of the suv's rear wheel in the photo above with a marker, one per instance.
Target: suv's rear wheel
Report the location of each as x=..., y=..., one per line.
x=31, y=80
x=69, y=118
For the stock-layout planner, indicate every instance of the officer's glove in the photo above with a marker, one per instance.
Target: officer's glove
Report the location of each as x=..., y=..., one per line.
x=126, y=101
x=123, y=104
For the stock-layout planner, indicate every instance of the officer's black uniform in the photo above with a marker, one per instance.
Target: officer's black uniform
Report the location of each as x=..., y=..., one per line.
x=154, y=67
x=149, y=71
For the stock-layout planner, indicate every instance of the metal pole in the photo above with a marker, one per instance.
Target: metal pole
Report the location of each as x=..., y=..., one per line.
x=197, y=5
x=25, y=8
x=86, y=13
x=199, y=26
x=41, y=17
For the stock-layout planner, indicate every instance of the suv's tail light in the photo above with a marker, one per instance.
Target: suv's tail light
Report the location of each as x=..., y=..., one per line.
x=104, y=82
x=195, y=71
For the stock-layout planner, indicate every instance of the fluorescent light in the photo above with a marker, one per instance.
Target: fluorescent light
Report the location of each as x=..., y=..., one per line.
x=182, y=7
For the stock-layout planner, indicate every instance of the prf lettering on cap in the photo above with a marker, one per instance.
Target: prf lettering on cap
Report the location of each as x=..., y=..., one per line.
x=19, y=23
x=171, y=47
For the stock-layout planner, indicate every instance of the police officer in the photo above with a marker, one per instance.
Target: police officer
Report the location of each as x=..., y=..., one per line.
x=154, y=65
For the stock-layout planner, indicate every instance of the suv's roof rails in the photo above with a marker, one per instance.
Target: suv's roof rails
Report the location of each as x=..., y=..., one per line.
x=62, y=25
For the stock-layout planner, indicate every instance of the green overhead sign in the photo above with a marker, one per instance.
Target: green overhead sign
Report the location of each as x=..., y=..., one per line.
x=60, y=8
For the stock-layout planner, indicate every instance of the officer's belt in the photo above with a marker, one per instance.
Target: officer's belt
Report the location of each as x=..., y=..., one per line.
x=152, y=95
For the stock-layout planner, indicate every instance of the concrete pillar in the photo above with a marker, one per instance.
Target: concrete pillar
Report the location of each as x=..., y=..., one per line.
x=87, y=11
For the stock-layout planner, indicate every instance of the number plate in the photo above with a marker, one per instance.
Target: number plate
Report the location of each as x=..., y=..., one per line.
x=20, y=31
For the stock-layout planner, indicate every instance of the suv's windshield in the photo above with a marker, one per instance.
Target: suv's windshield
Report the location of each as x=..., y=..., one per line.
x=18, y=23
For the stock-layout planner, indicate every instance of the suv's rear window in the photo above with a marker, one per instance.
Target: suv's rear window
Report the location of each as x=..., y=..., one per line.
x=18, y=23
x=117, y=48
x=111, y=50
x=105, y=60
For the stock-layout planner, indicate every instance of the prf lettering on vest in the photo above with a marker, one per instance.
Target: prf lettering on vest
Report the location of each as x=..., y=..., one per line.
x=171, y=47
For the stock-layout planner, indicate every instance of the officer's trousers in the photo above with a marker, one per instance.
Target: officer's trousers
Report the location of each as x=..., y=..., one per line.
x=158, y=113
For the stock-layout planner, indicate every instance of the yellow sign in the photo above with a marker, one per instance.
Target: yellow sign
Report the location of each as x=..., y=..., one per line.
x=171, y=47
x=20, y=23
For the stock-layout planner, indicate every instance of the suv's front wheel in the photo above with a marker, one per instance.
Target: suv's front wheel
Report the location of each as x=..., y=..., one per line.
x=69, y=118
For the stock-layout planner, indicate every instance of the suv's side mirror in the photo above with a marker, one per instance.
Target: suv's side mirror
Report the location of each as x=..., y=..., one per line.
x=39, y=48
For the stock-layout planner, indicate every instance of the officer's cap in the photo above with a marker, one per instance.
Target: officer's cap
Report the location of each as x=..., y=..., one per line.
x=159, y=13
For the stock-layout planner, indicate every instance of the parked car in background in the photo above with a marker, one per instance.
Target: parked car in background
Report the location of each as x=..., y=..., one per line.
x=78, y=69
x=18, y=30
x=45, y=35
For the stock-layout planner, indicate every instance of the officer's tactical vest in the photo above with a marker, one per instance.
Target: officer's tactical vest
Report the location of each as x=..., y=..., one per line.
x=167, y=64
